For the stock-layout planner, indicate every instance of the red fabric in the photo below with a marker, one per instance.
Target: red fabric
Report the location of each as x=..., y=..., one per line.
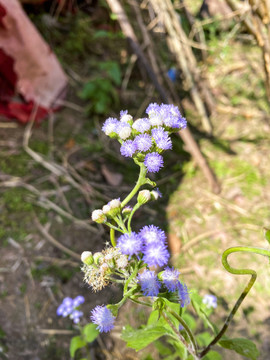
x=28, y=68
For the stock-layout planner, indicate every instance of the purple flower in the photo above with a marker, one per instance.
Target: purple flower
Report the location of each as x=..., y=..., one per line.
x=210, y=301
x=128, y=148
x=162, y=138
x=60, y=310
x=152, y=234
x=110, y=126
x=68, y=308
x=141, y=125
x=124, y=116
x=68, y=301
x=76, y=315
x=79, y=300
x=183, y=294
x=170, y=279
x=149, y=283
x=103, y=318
x=130, y=244
x=153, y=162
x=173, y=117
x=152, y=109
x=156, y=254
x=143, y=142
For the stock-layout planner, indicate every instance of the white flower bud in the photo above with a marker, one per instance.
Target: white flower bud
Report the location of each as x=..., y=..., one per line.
x=98, y=257
x=125, y=132
x=106, y=209
x=126, y=118
x=87, y=258
x=143, y=197
x=98, y=216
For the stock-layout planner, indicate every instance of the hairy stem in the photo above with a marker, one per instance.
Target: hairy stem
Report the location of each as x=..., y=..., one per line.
x=185, y=326
x=140, y=182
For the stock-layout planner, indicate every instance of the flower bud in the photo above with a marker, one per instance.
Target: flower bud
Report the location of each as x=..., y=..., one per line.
x=99, y=216
x=127, y=210
x=98, y=257
x=143, y=197
x=155, y=194
x=87, y=258
x=126, y=118
x=113, y=208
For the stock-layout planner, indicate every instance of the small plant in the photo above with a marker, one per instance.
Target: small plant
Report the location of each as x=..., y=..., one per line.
x=87, y=334
x=100, y=90
x=138, y=261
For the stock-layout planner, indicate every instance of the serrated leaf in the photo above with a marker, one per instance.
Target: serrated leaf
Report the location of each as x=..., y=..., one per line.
x=77, y=342
x=242, y=346
x=139, y=339
x=266, y=233
x=90, y=332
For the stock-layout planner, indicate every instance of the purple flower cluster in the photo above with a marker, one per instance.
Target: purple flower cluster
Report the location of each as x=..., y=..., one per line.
x=169, y=278
x=69, y=307
x=103, y=318
x=147, y=136
x=150, y=242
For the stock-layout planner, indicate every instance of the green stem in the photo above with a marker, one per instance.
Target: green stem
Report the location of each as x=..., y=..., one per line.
x=140, y=302
x=120, y=223
x=114, y=227
x=136, y=207
x=251, y=282
x=112, y=237
x=132, y=276
x=185, y=326
x=180, y=338
x=140, y=182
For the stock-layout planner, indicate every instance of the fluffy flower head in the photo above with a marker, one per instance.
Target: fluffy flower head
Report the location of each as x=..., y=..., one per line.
x=103, y=318
x=130, y=244
x=152, y=234
x=110, y=126
x=141, y=125
x=170, y=279
x=156, y=254
x=143, y=142
x=149, y=283
x=128, y=148
x=153, y=162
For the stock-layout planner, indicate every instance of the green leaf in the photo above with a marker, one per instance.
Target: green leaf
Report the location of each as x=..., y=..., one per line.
x=266, y=233
x=242, y=346
x=203, y=338
x=90, y=332
x=189, y=319
x=212, y=355
x=139, y=339
x=162, y=349
x=77, y=342
x=179, y=348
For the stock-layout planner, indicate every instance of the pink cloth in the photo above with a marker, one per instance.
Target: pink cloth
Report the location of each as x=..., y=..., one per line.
x=39, y=78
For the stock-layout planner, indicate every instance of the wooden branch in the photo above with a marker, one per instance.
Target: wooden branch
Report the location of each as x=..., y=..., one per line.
x=185, y=134
x=53, y=241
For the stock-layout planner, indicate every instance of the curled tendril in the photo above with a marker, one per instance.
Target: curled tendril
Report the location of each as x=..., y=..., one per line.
x=230, y=269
